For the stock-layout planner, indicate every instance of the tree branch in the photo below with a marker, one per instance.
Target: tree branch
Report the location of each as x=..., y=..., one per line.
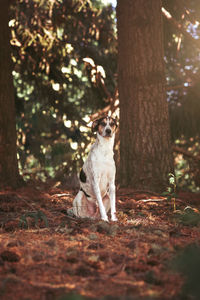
x=186, y=153
x=178, y=26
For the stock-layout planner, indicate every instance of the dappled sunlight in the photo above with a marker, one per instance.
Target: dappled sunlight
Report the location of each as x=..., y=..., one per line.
x=51, y=75
x=67, y=73
x=65, y=77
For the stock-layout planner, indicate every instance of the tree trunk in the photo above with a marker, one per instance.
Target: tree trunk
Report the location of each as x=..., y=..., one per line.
x=9, y=175
x=145, y=149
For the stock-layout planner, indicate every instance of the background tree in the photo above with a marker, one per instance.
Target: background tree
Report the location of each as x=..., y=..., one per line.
x=182, y=45
x=8, y=155
x=65, y=58
x=145, y=150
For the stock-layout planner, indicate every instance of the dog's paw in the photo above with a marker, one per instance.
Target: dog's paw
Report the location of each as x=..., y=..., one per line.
x=104, y=218
x=114, y=218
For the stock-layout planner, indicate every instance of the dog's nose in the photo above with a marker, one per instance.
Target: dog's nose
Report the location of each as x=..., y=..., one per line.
x=108, y=131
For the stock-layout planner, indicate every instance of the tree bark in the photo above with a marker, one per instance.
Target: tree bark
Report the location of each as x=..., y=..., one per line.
x=9, y=174
x=145, y=148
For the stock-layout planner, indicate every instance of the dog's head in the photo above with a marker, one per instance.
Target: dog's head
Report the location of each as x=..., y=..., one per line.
x=105, y=126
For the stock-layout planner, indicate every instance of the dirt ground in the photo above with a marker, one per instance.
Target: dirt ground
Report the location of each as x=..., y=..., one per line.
x=46, y=254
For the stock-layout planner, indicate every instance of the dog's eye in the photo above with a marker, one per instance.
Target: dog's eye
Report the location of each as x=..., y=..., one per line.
x=112, y=124
x=103, y=124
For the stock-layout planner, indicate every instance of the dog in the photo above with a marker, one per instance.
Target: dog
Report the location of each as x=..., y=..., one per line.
x=97, y=177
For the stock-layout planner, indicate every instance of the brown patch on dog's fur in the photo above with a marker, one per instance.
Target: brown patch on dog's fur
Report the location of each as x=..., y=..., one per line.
x=102, y=125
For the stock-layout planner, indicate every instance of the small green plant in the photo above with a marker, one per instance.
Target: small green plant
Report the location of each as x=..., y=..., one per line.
x=171, y=190
x=36, y=215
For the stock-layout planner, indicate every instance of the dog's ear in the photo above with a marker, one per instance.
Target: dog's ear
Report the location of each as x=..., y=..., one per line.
x=115, y=120
x=95, y=125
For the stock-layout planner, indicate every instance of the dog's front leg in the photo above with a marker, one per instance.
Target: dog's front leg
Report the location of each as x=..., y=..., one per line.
x=112, y=201
x=99, y=200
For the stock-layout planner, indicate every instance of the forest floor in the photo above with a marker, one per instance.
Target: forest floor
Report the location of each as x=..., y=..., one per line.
x=150, y=253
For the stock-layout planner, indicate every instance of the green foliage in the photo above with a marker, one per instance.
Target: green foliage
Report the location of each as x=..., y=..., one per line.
x=56, y=90
x=170, y=193
x=187, y=167
x=188, y=217
x=187, y=262
x=36, y=216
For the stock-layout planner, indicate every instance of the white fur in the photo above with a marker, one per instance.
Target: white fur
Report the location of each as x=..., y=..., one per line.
x=100, y=184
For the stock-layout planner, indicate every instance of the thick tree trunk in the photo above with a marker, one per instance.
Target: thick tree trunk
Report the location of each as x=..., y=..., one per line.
x=145, y=149
x=9, y=175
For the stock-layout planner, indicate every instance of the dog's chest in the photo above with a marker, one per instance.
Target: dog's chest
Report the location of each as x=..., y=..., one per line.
x=102, y=159
x=99, y=168
x=103, y=171
x=101, y=163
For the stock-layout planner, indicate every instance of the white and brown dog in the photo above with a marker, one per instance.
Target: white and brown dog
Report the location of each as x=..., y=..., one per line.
x=97, y=177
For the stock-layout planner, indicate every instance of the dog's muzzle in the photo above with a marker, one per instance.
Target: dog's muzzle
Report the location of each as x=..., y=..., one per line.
x=108, y=132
